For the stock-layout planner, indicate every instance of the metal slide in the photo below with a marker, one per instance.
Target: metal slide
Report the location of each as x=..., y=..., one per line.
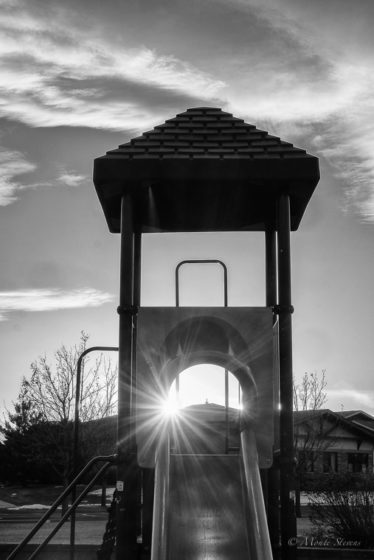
x=209, y=507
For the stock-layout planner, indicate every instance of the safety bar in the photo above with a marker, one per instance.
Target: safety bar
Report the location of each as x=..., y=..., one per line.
x=201, y=261
x=225, y=303
x=109, y=460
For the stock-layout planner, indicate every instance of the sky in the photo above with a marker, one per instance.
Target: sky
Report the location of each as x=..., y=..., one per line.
x=80, y=77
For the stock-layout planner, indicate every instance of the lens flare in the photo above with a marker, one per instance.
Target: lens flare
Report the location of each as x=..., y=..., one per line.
x=170, y=408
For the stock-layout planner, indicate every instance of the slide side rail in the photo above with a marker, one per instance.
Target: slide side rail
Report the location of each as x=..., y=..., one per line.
x=161, y=501
x=259, y=538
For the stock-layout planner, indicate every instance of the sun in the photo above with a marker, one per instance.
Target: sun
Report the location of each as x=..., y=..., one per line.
x=170, y=408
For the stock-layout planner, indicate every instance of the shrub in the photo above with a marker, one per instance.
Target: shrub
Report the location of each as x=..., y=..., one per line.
x=345, y=508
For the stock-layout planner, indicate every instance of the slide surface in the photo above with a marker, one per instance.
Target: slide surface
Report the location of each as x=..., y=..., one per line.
x=207, y=511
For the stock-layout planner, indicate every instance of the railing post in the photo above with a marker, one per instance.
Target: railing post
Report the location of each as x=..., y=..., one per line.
x=78, y=385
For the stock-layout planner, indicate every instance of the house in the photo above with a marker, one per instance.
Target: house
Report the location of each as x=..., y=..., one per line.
x=326, y=441
x=334, y=442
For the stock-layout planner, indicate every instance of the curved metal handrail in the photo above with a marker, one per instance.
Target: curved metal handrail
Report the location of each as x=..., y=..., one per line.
x=225, y=303
x=109, y=460
x=201, y=261
x=76, y=427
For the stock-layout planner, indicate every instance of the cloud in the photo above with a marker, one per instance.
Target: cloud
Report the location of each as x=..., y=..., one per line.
x=12, y=164
x=39, y=53
x=356, y=399
x=32, y=300
x=319, y=75
x=71, y=179
x=294, y=66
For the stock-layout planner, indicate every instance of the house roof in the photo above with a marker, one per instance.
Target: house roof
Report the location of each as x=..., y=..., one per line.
x=203, y=170
x=210, y=412
x=355, y=413
x=359, y=417
x=304, y=416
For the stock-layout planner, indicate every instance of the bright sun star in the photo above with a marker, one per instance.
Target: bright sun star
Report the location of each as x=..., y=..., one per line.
x=170, y=408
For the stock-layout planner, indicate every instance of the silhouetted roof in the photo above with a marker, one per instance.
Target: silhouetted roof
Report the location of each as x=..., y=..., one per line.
x=301, y=416
x=359, y=417
x=210, y=412
x=354, y=413
x=207, y=133
x=304, y=416
x=205, y=170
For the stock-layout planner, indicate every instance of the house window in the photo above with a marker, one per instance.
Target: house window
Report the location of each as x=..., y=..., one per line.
x=358, y=462
x=306, y=461
x=330, y=462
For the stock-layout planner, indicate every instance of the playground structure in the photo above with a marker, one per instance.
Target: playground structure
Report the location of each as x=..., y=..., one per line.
x=205, y=170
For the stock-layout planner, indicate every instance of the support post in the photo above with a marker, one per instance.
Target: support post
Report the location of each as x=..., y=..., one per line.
x=136, y=301
x=288, y=519
x=273, y=473
x=271, y=267
x=126, y=530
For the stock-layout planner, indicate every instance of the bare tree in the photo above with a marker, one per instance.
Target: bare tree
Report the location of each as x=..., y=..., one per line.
x=52, y=389
x=310, y=428
x=48, y=397
x=310, y=393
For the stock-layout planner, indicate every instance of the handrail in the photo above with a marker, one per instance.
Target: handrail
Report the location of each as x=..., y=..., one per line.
x=69, y=511
x=201, y=261
x=225, y=303
x=78, y=388
x=109, y=459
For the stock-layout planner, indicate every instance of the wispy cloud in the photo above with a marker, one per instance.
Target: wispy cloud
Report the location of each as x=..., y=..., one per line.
x=351, y=398
x=12, y=165
x=44, y=63
x=71, y=179
x=319, y=75
x=281, y=62
x=33, y=300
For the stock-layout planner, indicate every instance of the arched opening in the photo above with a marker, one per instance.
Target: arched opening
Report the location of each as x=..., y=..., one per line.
x=204, y=405
x=205, y=383
x=175, y=340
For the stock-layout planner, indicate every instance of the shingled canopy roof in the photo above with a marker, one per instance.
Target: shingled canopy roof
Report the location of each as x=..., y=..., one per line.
x=205, y=170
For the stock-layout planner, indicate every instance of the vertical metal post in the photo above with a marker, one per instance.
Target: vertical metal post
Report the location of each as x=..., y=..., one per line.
x=78, y=393
x=288, y=519
x=136, y=300
x=136, y=305
x=273, y=472
x=271, y=267
x=126, y=470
